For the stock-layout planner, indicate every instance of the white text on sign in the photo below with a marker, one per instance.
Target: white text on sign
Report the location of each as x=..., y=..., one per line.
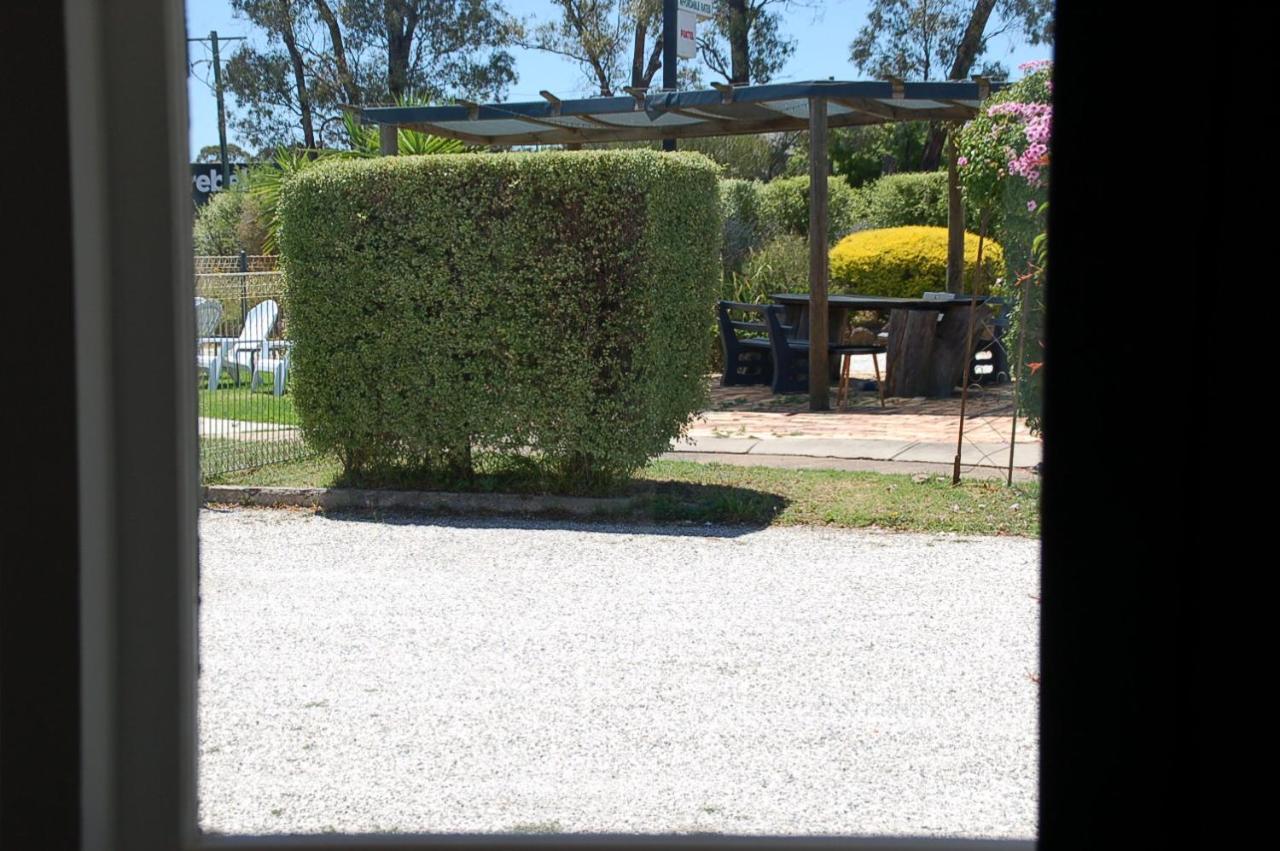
x=701, y=8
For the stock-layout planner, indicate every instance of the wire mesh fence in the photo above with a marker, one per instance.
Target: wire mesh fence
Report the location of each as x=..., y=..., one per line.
x=243, y=356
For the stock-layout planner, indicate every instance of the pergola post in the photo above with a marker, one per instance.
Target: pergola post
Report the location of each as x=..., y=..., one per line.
x=955, y=220
x=388, y=140
x=818, y=397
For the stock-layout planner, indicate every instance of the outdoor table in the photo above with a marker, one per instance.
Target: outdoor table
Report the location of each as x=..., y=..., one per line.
x=927, y=339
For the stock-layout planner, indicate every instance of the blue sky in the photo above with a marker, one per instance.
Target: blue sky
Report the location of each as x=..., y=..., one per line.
x=822, y=32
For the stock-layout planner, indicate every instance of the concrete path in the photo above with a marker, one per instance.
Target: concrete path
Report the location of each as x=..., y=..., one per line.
x=974, y=454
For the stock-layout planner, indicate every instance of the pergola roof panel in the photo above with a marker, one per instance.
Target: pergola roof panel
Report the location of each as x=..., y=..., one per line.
x=645, y=119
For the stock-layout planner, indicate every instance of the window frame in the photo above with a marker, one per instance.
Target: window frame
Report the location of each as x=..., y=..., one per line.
x=137, y=488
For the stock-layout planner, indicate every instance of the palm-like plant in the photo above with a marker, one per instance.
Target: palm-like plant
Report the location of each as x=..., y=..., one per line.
x=362, y=140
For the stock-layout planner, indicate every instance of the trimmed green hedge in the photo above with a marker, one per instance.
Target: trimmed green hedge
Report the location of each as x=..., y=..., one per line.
x=908, y=198
x=552, y=302
x=784, y=208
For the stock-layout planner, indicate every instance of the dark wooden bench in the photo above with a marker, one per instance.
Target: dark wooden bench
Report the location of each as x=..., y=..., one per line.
x=776, y=358
x=747, y=359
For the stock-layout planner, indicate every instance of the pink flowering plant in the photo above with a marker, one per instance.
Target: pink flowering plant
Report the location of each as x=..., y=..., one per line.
x=1003, y=154
x=1002, y=157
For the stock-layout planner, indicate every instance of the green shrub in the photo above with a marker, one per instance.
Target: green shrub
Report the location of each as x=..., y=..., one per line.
x=780, y=265
x=784, y=208
x=897, y=200
x=914, y=198
x=740, y=211
x=552, y=305
x=230, y=221
x=907, y=262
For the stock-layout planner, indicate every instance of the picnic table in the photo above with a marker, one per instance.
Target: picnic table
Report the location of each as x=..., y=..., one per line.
x=927, y=338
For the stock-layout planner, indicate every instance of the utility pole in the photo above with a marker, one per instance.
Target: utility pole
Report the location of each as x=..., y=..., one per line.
x=669, y=56
x=222, y=113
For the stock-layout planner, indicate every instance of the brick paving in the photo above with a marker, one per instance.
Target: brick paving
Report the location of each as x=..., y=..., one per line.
x=756, y=412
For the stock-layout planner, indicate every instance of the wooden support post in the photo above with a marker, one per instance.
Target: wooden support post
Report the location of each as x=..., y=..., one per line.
x=818, y=370
x=955, y=220
x=388, y=140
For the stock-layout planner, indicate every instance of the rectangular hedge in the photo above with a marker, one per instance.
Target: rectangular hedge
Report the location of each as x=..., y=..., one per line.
x=550, y=306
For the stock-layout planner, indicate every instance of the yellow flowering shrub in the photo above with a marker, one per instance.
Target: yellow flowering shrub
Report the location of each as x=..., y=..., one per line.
x=907, y=262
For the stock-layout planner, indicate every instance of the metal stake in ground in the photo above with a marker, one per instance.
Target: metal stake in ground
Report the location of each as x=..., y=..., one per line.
x=973, y=305
x=1022, y=337
x=964, y=382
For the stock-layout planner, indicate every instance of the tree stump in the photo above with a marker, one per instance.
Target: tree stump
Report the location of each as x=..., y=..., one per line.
x=926, y=355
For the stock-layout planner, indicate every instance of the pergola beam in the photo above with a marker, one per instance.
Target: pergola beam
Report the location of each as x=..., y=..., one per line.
x=559, y=134
x=874, y=107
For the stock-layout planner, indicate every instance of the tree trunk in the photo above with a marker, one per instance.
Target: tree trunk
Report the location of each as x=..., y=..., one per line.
x=739, y=51
x=300, y=82
x=637, y=55
x=401, y=20
x=926, y=357
x=933, y=143
x=955, y=221
x=345, y=78
x=966, y=55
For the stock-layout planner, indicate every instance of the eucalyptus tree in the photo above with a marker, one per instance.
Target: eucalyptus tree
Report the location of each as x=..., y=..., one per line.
x=943, y=39
x=308, y=58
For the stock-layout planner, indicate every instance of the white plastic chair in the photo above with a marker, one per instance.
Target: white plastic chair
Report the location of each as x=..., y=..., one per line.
x=251, y=346
x=208, y=315
x=274, y=361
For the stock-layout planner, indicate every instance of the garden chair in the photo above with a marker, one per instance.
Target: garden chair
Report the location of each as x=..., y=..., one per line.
x=747, y=359
x=208, y=315
x=273, y=361
x=240, y=353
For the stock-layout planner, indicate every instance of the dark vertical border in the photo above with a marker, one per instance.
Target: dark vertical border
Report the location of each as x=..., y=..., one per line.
x=1117, y=766
x=39, y=609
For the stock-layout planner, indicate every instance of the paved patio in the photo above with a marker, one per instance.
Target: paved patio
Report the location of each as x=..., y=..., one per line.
x=753, y=421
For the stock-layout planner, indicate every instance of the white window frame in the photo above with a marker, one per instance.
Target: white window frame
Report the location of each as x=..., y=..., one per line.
x=139, y=474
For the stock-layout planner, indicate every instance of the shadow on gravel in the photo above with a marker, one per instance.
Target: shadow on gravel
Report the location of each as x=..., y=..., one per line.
x=660, y=508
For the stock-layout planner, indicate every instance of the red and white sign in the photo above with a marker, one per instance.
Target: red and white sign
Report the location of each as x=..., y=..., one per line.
x=686, y=34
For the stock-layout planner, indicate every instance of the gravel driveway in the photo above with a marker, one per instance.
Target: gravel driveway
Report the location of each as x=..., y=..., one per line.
x=494, y=675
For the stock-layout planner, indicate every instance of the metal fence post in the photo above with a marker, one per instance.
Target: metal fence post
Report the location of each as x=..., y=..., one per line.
x=244, y=285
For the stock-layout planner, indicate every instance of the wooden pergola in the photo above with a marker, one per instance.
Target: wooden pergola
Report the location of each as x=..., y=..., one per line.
x=721, y=111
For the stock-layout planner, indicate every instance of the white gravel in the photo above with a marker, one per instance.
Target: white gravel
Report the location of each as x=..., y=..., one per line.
x=494, y=675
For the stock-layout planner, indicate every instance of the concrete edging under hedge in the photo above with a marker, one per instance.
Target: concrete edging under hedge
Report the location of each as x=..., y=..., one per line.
x=340, y=498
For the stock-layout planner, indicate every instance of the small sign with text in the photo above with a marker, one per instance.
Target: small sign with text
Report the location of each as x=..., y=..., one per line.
x=686, y=34
x=701, y=8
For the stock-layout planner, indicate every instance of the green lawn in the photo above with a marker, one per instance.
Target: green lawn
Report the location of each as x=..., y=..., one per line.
x=682, y=491
x=238, y=403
